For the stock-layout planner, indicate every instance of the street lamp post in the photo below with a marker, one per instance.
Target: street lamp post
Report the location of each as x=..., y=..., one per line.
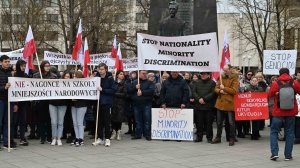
x=249, y=57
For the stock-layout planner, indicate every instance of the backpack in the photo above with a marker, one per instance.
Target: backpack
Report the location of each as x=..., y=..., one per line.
x=286, y=95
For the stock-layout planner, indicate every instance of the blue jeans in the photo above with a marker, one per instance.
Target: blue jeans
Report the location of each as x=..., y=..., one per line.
x=57, y=115
x=142, y=114
x=4, y=118
x=78, y=117
x=289, y=127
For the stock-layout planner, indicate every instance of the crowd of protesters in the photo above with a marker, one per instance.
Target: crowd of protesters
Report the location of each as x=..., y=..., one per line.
x=124, y=98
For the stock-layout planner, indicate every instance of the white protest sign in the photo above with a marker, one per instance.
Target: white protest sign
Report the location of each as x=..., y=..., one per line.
x=274, y=60
x=24, y=89
x=172, y=124
x=14, y=55
x=58, y=58
x=130, y=64
x=184, y=53
x=298, y=101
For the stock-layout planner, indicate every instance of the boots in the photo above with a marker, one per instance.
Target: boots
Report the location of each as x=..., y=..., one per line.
x=113, y=135
x=198, y=138
x=231, y=141
x=216, y=140
x=119, y=135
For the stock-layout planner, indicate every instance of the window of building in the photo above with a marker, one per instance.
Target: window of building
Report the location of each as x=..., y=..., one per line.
x=121, y=35
x=6, y=36
x=289, y=39
x=19, y=3
x=51, y=36
x=6, y=18
x=52, y=18
x=6, y=3
x=19, y=19
x=121, y=18
x=140, y=18
x=51, y=3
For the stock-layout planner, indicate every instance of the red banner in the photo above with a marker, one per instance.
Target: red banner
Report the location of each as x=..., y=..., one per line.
x=251, y=106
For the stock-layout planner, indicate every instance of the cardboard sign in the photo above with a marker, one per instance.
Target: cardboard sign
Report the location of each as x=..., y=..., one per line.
x=251, y=106
x=274, y=60
x=172, y=124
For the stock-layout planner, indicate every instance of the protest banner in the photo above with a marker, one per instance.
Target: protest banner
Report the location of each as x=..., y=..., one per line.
x=298, y=102
x=172, y=124
x=58, y=58
x=25, y=89
x=274, y=60
x=130, y=64
x=251, y=106
x=14, y=55
x=184, y=53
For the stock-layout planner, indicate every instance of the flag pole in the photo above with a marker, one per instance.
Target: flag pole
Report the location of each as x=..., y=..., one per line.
x=96, y=131
x=8, y=119
x=37, y=59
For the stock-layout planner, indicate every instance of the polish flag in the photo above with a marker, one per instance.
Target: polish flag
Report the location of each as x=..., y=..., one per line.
x=114, y=48
x=87, y=59
x=225, y=58
x=29, y=50
x=119, y=63
x=78, y=43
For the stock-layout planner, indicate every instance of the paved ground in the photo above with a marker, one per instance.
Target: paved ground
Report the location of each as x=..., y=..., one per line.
x=142, y=154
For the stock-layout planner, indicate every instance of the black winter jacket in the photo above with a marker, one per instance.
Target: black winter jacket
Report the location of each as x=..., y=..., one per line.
x=204, y=89
x=174, y=92
x=4, y=74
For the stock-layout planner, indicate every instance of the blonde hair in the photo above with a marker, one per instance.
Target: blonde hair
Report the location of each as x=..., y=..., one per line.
x=259, y=75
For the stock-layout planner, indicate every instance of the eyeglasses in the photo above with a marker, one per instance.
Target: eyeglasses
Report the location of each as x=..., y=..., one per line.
x=249, y=74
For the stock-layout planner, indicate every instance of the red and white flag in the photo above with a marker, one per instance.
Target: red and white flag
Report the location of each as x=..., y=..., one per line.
x=87, y=59
x=119, y=63
x=29, y=50
x=225, y=58
x=78, y=43
x=114, y=48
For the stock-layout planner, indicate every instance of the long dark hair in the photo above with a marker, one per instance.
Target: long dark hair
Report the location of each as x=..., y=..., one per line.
x=19, y=72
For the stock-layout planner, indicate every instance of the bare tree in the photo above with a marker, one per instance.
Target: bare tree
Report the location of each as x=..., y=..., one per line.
x=263, y=23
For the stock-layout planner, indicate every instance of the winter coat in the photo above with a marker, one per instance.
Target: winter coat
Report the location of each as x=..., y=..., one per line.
x=174, y=92
x=108, y=89
x=204, y=89
x=251, y=88
x=118, y=108
x=275, y=88
x=147, y=88
x=4, y=74
x=263, y=85
x=225, y=102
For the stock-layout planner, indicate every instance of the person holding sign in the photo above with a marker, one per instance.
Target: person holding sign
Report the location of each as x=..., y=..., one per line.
x=142, y=94
x=107, y=91
x=174, y=92
x=79, y=108
x=43, y=105
x=23, y=105
x=204, y=95
x=227, y=86
x=284, y=111
x=253, y=87
x=5, y=72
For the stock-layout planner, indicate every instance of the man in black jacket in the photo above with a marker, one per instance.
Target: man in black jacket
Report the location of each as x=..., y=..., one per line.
x=142, y=95
x=204, y=95
x=5, y=72
x=174, y=92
